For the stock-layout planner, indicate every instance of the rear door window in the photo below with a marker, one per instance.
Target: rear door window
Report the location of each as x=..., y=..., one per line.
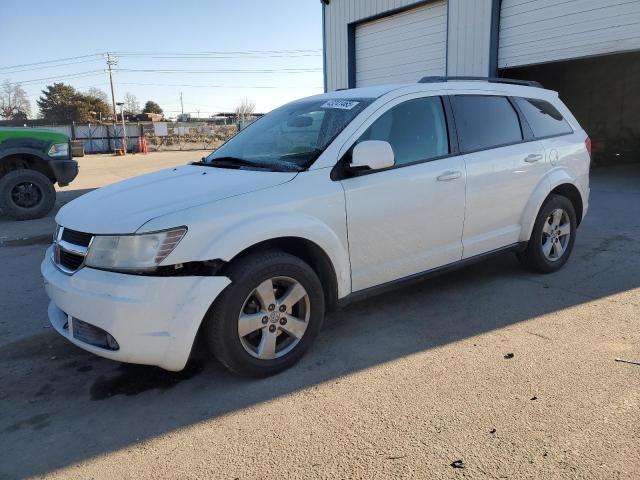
x=485, y=122
x=543, y=118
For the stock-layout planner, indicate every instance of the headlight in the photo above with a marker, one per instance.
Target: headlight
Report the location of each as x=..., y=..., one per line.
x=133, y=252
x=59, y=150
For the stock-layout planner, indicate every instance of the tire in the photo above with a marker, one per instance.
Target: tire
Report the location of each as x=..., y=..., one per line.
x=548, y=249
x=26, y=194
x=251, y=355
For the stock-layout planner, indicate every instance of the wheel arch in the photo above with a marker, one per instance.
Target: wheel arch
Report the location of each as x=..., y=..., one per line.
x=307, y=251
x=558, y=182
x=26, y=159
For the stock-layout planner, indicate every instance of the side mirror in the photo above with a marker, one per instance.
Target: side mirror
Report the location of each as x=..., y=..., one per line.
x=372, y=155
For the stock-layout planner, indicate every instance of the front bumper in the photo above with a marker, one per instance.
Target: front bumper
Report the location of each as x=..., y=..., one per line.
x=64, y=170
x=153, y=319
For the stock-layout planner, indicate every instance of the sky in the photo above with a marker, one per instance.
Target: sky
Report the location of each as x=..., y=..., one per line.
x=215, y=52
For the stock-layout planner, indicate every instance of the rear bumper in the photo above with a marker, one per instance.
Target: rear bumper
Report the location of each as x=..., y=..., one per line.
x=65, y=171
x=153, y=319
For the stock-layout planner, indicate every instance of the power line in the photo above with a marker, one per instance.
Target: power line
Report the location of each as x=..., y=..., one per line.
x=279, y=70
x=88, y=73
x=52, y=66
x=214, y=86
x=221, y=52
x=176, y=54
x=50, y=61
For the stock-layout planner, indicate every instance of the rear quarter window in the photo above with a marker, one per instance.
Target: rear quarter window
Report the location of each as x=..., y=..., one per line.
x=485, y=122
x=543, y=118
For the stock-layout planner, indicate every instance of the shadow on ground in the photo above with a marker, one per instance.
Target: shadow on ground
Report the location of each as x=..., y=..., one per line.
x=62, y=405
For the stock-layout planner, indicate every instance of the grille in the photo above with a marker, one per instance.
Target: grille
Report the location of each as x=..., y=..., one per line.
x=70, y=260
x=77, y=238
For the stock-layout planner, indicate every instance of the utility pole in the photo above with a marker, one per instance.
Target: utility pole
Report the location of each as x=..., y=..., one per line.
x=112, y=61
x=181, y=105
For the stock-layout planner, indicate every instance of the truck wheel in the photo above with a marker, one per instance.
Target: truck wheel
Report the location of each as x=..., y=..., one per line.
x=269, y=315
x=26, y=194
x=552, y=237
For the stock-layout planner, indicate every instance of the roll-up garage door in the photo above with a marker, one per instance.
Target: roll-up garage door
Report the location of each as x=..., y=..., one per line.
x=540, y=31
x=402, y=47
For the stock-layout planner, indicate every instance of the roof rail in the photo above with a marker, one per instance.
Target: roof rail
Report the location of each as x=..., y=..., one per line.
x=527, y=83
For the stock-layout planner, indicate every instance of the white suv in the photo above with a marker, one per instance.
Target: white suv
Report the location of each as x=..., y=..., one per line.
x=322, y=201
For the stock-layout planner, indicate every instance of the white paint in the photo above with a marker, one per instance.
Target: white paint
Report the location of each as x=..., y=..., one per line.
x=538, y=31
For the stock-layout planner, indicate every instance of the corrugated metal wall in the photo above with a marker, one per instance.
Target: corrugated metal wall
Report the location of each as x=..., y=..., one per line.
x=537, y=31
x=469, y=27
x=469, y=37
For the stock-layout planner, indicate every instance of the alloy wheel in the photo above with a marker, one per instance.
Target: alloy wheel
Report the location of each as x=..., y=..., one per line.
x=274, y=318
x=556, y=234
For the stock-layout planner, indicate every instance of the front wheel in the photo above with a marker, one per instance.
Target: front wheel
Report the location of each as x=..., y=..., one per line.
x=269, y=315
x=26, y=194
x=553, y=236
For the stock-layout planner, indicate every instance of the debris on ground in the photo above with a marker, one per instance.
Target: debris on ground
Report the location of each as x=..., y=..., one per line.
x=457, y=464
x=493, y=430
x=396, y=457
x=534, y=398
x=508, y=355
x=631, y=362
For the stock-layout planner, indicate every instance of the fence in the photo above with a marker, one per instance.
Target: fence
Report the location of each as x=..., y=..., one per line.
x=160, y=136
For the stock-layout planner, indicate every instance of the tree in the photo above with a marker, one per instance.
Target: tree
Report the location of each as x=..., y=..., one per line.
x=14, y=103
x=152, y=107
x=245, y=108
x=131, y=103
x=96, y=92
x=62, y=103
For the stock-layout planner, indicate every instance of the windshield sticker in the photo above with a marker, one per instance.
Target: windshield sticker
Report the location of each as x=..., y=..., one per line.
x=341, y=104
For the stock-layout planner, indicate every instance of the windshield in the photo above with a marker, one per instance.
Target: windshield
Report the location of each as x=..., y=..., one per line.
x=291, y=137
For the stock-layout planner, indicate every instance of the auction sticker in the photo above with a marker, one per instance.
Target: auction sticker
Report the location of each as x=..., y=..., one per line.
x=341, y=104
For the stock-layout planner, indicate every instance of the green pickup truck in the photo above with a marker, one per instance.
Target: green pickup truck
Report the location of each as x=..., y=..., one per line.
x=31, y=162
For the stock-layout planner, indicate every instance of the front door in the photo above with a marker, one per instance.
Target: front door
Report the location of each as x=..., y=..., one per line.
x=407, y=219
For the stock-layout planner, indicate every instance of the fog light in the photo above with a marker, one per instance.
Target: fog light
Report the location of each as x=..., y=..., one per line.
x=87, y=333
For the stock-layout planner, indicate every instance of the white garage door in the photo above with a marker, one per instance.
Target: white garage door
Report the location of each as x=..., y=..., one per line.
x=538, y=31
x=403, y=47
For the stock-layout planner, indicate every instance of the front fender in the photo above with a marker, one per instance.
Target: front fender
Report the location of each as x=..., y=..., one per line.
x=551, y=180
x=254, y=230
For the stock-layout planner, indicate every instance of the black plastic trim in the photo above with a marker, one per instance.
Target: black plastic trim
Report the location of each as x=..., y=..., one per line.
x=511, y=81
x=418, y=277
x=65, y=171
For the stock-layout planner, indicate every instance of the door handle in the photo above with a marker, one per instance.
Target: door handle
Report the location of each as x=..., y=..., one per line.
x=534, y=157
x=448, y=176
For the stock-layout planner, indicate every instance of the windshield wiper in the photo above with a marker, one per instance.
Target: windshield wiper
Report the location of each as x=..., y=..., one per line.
x=226, y=162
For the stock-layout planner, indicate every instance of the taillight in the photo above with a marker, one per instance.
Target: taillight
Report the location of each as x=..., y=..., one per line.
x=587, y=145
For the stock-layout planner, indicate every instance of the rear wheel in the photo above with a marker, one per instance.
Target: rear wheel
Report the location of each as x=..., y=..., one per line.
x=269, y=315
x=553, y=236
x=26, y=194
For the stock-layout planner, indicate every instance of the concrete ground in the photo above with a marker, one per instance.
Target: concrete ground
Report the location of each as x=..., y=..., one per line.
x=503, y=372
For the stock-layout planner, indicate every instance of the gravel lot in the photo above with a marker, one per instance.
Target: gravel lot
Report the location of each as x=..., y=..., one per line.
x=511, y=373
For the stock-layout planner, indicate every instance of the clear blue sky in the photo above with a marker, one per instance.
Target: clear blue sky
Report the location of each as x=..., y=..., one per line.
x=35, y=31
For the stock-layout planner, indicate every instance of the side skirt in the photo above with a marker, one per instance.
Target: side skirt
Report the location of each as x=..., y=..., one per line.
x=418, y=277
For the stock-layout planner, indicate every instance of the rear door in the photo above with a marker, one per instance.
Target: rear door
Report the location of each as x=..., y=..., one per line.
x=406, y=219
x=504, y=165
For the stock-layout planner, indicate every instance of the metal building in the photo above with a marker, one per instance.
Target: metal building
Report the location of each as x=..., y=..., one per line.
x=587, y=50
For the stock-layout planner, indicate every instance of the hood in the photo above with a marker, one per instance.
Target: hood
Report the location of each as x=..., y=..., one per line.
x=125, y=206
